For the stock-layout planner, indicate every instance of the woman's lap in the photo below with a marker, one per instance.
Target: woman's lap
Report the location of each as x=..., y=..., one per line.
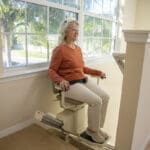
x=80, y=92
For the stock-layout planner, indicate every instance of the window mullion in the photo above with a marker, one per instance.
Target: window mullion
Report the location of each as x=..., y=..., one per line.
x=81, y=21
x=48, y=51
x=26, y=36
x=93, y=27
x=8, y=34
x=117, y=26
x=1, y=56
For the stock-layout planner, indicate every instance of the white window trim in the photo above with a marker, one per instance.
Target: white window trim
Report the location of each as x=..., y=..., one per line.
x=100, y=17
x=21, y=73
x=54, y=5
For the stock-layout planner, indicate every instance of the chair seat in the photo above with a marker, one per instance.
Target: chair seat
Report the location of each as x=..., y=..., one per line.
x=72, y=104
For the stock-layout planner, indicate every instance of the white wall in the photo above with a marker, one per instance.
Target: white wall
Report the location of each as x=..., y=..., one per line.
x=128, y=17
x=129, y=14
x=142, y=15
x=22, y=96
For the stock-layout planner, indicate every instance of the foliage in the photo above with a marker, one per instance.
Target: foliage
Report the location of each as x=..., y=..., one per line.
x=31, y=53
x=10, y=15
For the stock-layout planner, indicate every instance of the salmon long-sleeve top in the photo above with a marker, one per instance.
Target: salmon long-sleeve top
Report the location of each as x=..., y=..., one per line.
x=67, y=64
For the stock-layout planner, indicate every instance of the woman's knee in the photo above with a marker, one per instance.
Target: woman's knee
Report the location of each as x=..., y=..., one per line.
x=98, y=102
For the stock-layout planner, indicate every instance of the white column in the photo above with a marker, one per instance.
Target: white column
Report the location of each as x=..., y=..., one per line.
x=134, y=121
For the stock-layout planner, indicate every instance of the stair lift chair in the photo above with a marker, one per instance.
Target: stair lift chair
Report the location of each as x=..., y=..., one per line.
x=73, y=118
x=74, y=114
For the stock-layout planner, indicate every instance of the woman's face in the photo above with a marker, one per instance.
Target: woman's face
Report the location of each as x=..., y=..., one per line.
x=72, y=32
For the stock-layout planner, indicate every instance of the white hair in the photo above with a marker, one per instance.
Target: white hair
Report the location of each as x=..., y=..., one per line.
x=63, y=29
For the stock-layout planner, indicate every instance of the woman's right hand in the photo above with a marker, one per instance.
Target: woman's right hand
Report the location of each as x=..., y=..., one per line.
x=103, y=75
x=64, y=85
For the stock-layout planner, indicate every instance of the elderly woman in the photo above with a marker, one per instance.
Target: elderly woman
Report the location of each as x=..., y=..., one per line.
x=68, y=70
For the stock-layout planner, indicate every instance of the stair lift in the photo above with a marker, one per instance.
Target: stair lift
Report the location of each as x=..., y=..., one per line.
x=71, y=121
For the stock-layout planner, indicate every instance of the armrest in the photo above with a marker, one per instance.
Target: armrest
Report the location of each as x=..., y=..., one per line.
x=98, y=78
x=57, y=87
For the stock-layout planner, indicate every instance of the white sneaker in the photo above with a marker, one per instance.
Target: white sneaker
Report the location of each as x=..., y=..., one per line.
x=96, y=137
x=104, y=134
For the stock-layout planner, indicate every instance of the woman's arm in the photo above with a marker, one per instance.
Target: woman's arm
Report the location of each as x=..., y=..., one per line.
x=91, y=71
x=56, y=60
x=94, y=72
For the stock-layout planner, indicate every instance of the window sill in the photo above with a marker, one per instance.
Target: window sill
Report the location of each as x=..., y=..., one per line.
x=39, y=70
x=16, y=74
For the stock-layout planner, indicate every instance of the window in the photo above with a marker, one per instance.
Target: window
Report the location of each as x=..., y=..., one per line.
x=99, y=27
x=30, y=29
x=12, y=28
x=92, y=36
x=93, y=6
x=32, y=33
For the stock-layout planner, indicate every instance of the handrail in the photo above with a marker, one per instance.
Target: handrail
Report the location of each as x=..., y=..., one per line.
x=120, y=59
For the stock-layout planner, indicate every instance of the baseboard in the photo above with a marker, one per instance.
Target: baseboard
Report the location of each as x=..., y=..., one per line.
x=145, y=143
x=16, y=128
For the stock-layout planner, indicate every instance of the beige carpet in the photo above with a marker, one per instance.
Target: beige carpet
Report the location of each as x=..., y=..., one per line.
x=34, y=138
x=148, y=147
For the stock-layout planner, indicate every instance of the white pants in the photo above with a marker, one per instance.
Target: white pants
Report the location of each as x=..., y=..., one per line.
x=96, y=99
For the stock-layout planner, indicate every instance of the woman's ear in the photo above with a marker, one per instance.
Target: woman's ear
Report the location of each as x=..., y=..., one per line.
x=66, y=32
